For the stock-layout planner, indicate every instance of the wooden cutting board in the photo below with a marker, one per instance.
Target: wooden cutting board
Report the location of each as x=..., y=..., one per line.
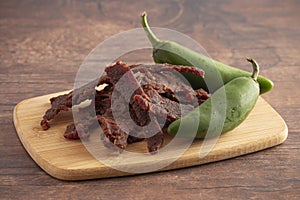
x=70, y=160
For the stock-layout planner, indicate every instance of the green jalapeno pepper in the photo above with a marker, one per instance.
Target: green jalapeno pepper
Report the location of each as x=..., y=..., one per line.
x=173, y=53
x=241, y=96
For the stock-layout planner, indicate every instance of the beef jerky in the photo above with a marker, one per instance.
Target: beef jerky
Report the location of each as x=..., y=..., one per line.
x=66, y=101
x=58, y=104
x=166, y=77
x=114, y=136
x=139, y=115
x=201, y=95
x=131, y=139
x=163, y=107
x=157, y=90
x=155, y=142
x=76, y=132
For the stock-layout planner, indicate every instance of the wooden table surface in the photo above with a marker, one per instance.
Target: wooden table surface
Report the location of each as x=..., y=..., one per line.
x=44, y=42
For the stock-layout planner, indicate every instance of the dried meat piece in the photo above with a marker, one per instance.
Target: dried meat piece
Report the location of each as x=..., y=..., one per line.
x=65, y=102
x=158, y=91
x=167, y=78
x=115, y=72
x=76, y=132
x=163, y=107
x=113, y=134
x=131, y=139
x=201, y=95
x=155, y=142
x=58, y=104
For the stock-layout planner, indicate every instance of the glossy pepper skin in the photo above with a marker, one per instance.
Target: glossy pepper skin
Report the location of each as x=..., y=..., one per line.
x=240, y=94
x=216, y=73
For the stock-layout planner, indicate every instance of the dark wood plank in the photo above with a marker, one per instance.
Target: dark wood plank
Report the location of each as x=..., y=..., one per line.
x=44, y=42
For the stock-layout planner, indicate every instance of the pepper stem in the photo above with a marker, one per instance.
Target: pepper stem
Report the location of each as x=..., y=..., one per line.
x=153, y=39
x=255, y=68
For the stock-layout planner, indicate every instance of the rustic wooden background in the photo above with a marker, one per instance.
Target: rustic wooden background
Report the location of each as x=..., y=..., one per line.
x=44, y=42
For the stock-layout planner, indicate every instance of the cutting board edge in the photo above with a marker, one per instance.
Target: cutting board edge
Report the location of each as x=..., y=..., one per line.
x=73, y=175
x=54, y=171
x=33, y=154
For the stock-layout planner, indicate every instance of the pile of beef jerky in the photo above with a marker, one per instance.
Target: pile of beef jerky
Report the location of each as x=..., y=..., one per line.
x=158, y=92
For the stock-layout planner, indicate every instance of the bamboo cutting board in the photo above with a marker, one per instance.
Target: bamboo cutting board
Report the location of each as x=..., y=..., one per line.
x=70, y=160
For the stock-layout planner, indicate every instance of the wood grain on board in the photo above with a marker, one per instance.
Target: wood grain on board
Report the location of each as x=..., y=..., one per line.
x=71, y=160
